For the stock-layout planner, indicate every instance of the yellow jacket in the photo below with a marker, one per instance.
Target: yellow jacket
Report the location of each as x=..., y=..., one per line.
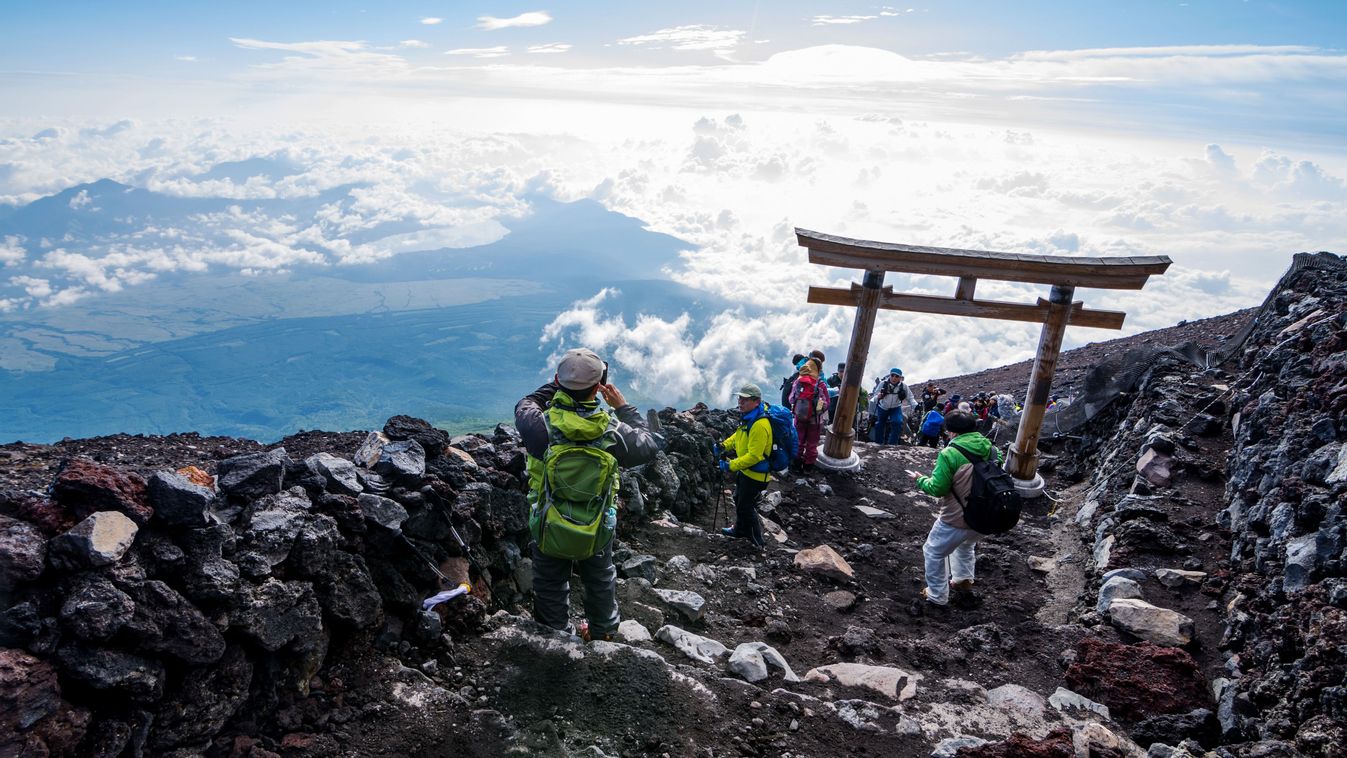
x=751, y=443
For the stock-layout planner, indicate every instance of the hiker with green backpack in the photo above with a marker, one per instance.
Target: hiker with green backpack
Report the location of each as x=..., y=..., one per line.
x=977, y=499
x=575, y=449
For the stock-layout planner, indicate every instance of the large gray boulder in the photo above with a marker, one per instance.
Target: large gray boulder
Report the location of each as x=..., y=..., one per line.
x=177, y=501
x=100, y=540
x=340, y=474
x=253, y=475
x=1148, y=622
x=405, y=458
x=95, y=609
x=383, y=511
x=278, y=613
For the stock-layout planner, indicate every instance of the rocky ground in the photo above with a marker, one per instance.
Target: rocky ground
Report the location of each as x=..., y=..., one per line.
x=1178, y=592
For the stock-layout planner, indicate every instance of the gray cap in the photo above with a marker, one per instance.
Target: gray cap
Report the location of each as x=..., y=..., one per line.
x=580, y=369
x=751, y=390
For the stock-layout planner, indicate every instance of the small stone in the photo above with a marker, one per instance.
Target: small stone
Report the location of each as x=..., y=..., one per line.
x=1064, y=700
x=405, y=458
x=893, y=682
x=751, y=660
x=339, y=473
x=1154, y=467
x=694, y=646
x=824, y=561
x=1115, y=588
x=23, y=552
x=1042, y=565
x=1176, y=577
x=874, y=513
x=633, y=631
x=642, y=566
x=840, y=600
x=689, y=604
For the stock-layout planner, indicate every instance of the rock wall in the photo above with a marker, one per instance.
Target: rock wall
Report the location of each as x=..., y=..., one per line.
x=162, y=614
x=1287, y=605
x=1213, y=509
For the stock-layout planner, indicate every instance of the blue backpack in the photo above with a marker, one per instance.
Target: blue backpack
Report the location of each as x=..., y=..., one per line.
x=785, y=442
x=930, y=426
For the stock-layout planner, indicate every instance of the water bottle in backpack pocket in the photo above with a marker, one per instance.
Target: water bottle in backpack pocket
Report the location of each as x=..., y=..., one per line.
x=576, y=513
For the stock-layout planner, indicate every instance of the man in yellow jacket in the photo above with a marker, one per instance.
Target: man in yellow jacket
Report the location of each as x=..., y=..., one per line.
x=746, y=452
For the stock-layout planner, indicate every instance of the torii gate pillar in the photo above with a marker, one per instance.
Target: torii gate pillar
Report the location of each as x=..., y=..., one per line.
x=1022, y=462
x=837, y=453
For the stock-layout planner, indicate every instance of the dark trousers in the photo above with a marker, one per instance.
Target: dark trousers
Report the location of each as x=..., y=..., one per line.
x=552, y=590
x=746, y=523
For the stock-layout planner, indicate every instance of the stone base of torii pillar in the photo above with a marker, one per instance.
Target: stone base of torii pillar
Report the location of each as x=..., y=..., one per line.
x=849, y=463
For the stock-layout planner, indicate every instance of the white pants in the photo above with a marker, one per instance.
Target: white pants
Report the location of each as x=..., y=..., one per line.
x=950, y=542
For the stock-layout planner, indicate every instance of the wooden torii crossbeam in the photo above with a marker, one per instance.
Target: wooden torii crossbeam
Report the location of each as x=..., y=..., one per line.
x=968, y=266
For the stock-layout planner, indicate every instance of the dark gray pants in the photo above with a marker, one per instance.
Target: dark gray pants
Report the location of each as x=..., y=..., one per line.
x=552, y=590
x=746, y=523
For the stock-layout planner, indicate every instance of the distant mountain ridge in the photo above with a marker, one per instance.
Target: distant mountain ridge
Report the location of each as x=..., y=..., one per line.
x=450, y=334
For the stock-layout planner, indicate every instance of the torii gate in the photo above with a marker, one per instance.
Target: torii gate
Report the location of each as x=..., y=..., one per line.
x=1063, y=273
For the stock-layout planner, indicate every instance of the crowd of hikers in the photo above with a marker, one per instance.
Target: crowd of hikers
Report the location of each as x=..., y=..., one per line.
x=576, y=450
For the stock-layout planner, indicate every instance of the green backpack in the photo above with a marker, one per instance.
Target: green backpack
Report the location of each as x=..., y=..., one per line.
x=570, y=517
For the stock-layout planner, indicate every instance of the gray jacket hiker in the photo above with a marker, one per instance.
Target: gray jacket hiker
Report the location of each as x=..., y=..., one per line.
x=564, y=412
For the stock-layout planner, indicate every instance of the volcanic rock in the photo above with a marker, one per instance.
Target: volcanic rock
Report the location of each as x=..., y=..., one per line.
x=113, y=672
x=643, y=566
x=824, y=561
x=95, y=609
x=1137, y=681
x=253, y=475
x=750, y=660
x=277, y=613
x=164, y=622
x=84, y=487
x=692, y=645
x=177, y=501
x=1066, y=700
x=1116, y=588
x=404, y=459
x=840, y=600
x=1178, y=577
x=23, y=552
x=632, y=631
x=387, y=513
x=893, y=682
x=431, y=440
x=1159, y=625
x=688, y=604
x=339, y=473
x=99, y=540
x=1154, y=467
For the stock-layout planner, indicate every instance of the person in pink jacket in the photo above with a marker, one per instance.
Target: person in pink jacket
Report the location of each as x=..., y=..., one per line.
x=809, y=403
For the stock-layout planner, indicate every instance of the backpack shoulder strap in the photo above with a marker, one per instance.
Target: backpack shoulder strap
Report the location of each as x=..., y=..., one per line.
x=971, y=458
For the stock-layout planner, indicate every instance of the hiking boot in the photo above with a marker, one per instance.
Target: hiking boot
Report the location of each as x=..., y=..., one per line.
x=728, y=531
x=961, y=585
x=587, y=637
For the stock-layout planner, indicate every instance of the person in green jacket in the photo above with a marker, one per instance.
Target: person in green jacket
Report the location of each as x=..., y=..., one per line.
x=951, y=480
x=746, y=457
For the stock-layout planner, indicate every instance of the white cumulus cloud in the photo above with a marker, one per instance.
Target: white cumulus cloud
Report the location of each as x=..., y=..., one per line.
x=532, y=18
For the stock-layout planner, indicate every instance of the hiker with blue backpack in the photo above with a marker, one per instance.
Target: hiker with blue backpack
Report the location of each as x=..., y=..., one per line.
x=977, y=498
x=764, y=442
x=575, y=449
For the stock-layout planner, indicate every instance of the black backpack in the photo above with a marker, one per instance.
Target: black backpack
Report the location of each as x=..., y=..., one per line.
x=993, y=505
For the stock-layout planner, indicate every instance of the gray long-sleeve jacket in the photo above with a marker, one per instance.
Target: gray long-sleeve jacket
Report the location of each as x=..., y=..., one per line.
x=635, y=445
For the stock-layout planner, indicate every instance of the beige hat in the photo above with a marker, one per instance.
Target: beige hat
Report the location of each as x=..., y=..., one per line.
x=751, y=390
x=580, y=369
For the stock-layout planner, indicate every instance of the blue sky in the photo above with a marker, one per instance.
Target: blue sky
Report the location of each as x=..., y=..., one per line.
x=1213, y=132
x=145, y=37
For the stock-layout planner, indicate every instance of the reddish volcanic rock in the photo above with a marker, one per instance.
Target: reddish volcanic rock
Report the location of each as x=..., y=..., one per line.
x=49, y=518
x=1055, y=744
x=34, y=720
x=1137, y=681
x=85, y=487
